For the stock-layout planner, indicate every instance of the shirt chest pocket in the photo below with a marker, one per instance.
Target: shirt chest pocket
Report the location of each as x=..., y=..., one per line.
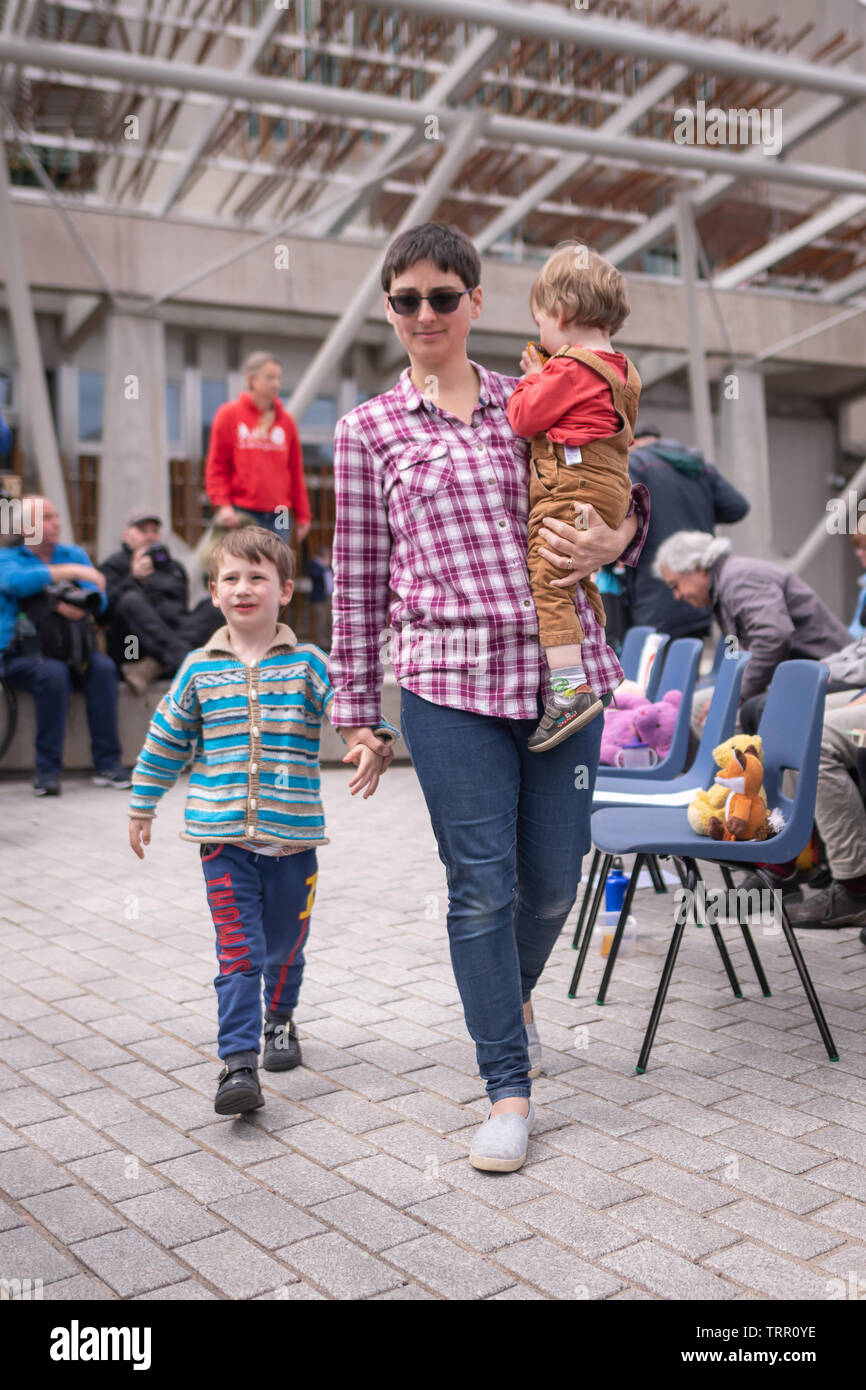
x=422, y=470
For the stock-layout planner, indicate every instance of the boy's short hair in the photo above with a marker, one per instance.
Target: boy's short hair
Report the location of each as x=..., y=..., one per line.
x=253, y=543
x=580, y=284
x=446, y=246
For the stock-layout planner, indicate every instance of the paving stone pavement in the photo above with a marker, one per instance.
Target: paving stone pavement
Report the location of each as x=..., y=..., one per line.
x=735, y=1168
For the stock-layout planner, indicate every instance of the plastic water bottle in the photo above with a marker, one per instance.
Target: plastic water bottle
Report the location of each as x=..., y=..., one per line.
x=614, y=888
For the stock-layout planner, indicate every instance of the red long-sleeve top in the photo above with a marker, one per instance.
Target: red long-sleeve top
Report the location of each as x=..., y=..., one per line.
x=258, y=472
x=567, y=401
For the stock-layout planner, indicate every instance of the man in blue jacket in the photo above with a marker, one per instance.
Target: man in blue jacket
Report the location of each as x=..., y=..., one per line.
x=26, y=573
x=686, y=494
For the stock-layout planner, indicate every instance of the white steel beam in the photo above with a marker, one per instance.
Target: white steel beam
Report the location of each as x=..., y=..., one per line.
x=29, y=354
x=562, y=170
x=798, y=128
x=446, y=88
x=339, y=102
x=211, y=123
x=341, y=336
x=839, y=211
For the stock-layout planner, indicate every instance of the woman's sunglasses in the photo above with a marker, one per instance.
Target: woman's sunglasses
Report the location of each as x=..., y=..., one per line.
x=440, y=301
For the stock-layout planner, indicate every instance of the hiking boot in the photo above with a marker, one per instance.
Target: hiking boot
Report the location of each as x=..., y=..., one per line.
x=282, y=1049
x=559, y=723
x=835, y=906
x=239, y=1089
x=788, y=884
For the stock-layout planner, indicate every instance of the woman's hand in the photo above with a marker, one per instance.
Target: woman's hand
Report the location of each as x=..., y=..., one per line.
x=365, y=736
x=227, y=516
x=590, y=548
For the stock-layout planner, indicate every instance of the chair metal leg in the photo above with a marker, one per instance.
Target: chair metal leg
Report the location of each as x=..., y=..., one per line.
x=811, y=995
x=606, y=862
x=667, y=972
x=655, y=873
x=747, y=937
x=586, y=896
x=620, y=927
x=722, y=948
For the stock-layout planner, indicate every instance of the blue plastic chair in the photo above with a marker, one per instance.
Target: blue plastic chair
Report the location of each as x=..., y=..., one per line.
x=680, y=673
x=718, y=657
x=632, y=646
x=639, y=790
x=790, y=729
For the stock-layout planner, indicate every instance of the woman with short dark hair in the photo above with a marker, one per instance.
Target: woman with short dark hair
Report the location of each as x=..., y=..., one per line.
x=432, y=493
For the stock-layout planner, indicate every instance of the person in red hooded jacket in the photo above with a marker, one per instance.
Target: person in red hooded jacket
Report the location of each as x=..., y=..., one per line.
x=254, y=460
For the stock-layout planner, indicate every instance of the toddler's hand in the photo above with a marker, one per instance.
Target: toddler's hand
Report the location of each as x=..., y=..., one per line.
x=370, y=767
x=139, y=835
x=530, y=361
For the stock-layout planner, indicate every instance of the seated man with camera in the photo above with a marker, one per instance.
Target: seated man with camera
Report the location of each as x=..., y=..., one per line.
x=150, y=629
x=49, y=595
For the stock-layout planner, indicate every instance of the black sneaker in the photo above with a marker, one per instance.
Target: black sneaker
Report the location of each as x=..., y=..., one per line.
x=239, y=1089
x=46, y=785
x=835, y=906
x=119, y=777
x=282, y=1049
x=558, y=723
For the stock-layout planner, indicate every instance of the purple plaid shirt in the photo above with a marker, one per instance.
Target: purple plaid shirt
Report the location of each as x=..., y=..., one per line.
x=436, y=510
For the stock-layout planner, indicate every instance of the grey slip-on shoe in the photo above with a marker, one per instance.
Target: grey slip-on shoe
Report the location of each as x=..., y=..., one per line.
x=499, y=1146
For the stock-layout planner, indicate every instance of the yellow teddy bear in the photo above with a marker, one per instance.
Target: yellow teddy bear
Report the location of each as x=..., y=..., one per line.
x=706, y=804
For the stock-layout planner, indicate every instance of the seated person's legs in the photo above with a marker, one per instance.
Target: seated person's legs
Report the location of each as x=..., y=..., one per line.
x=49, y=683
x=840, y=815
x=100, y=695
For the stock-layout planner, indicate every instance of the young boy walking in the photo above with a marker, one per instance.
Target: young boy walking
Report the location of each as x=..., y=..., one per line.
x=577, y=404
x=249, y=705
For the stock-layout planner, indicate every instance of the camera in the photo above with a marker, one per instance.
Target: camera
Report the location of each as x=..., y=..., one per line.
x=88, y=600
x=159, y=556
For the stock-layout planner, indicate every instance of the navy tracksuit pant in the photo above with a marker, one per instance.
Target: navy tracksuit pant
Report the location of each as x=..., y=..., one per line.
x=261, y=909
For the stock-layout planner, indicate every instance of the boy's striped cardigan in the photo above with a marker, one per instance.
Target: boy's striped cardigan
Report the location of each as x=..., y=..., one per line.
x=255, y=731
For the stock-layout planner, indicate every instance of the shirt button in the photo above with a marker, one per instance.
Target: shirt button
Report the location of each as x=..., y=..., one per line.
x=502, y=523
x=252, y=803
x=251, y=830
x=255, y=731
x=254, y=767
x=491, y=480
x=526, y=602
x=253, y=694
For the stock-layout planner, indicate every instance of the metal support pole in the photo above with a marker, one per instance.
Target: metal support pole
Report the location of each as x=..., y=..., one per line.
x=29, y=355
x=420, y=209
x=699, y=387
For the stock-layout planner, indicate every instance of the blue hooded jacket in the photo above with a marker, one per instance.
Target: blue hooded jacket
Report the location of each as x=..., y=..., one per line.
x=23, y=574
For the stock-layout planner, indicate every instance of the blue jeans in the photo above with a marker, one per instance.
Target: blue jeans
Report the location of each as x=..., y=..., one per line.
x=50, y=684
x=512, y=829
x=261, y=911
x=269, y=521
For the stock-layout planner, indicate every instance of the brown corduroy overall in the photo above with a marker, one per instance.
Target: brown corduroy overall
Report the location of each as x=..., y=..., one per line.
x=555, y=487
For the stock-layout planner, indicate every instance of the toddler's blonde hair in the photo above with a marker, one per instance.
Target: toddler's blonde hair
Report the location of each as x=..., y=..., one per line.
x=581, y=285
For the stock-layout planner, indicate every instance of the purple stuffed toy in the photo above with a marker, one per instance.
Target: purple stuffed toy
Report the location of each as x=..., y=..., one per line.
x=635, y=718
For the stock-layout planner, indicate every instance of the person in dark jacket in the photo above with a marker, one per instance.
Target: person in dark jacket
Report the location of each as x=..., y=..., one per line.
x=150, y=628
x=686, y=494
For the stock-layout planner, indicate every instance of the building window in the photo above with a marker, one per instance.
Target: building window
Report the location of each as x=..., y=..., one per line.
x=172, y=412
x=213, y=395
x=91, y=402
